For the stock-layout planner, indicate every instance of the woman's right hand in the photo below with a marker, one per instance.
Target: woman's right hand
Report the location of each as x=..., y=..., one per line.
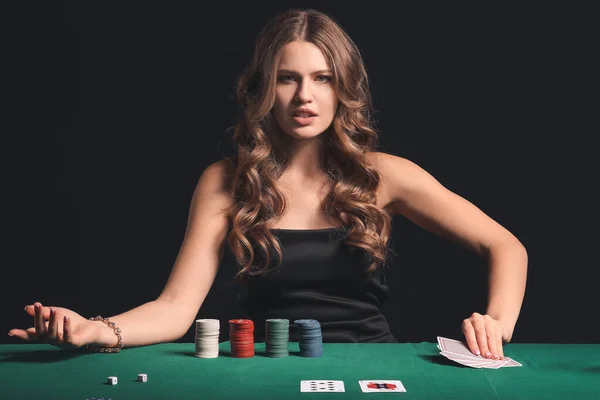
x=60, y=327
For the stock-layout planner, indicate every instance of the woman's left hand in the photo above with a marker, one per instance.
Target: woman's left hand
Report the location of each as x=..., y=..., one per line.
x=485, y=335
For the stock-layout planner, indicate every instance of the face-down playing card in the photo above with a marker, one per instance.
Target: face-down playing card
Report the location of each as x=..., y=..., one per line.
x=457, y=351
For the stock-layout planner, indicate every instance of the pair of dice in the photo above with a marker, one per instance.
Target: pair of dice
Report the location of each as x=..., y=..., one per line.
x=112, y=380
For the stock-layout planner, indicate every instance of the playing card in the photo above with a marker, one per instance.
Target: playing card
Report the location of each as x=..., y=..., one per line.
x=381, y=386
x=473, y=363
x=454, y=346
x=464, y=360
x=496, y=364
x=512, y=363
x=456, y=350
x=462, y=357
x=322, y=386
x=481, y=363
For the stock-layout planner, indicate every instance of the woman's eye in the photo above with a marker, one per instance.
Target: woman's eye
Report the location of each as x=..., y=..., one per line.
x=320, y=78
x=286, y=78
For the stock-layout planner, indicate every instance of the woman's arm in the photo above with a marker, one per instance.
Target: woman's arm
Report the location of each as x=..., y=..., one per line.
x=415, y=194
x=169, y=316
x=507, y=280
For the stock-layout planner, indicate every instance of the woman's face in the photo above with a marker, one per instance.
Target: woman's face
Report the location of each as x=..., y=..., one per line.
x=304, y=81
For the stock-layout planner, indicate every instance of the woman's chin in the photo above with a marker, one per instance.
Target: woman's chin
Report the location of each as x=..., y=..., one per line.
x=304, y=132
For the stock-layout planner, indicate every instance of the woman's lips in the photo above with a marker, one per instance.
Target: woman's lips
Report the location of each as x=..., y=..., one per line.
x=304, y=120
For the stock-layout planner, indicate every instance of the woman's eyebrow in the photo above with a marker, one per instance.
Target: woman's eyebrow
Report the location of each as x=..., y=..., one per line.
x=289, y=71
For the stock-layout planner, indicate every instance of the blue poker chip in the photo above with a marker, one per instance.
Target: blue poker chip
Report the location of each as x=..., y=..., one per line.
x=310, y=337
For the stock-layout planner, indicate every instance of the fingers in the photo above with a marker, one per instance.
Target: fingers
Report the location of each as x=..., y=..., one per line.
x=469, y=333
x=482, y=341
x=49, y=332
x=48, y=325
x=494, y=339
x=484, y=336
x=493, y=335
x=38, y=321
x=28, y=334
x=67, y=331
x=30, y=309
x=55, y=332
x=52, y=325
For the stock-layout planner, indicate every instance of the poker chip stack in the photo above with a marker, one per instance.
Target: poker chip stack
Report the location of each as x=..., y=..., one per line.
x=277, y=337
x=207, y=338
x=310, y=338
x=241, y=338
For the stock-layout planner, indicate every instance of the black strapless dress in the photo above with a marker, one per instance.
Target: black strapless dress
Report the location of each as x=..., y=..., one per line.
x=320, y=278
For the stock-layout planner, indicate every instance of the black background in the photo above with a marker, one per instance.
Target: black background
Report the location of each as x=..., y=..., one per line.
x=113, y=110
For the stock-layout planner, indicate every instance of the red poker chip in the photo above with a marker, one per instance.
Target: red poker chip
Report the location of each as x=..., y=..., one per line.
x=241, y=334
x=241, y=321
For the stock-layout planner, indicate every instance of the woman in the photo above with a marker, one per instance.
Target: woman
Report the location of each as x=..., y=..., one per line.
x=305, y=206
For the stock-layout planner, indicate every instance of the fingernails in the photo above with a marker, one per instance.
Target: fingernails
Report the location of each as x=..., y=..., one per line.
x=477, y=352
x=10, y=333
x=488, y=354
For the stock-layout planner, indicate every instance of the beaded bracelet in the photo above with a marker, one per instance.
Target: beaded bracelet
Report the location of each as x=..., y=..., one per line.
x=115, y=349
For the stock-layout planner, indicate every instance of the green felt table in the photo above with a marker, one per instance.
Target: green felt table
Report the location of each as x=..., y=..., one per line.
x=549, y=371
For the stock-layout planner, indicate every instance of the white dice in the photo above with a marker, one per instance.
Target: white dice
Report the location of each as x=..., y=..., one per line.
x=142, y=377
x=112, y=380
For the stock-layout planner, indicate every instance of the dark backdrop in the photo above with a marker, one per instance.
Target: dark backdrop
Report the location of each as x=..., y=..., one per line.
x=113, y=111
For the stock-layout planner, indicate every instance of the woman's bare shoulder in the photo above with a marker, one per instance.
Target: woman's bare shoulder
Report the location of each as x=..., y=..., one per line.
x=390, y=165
x=217, y=180
x=379, y=161
x=222, y=171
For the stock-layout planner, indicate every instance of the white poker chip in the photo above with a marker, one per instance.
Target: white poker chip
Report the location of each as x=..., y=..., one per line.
x=207, y=338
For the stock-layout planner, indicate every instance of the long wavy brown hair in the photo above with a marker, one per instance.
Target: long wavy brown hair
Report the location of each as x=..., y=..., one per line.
x=262, y=152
